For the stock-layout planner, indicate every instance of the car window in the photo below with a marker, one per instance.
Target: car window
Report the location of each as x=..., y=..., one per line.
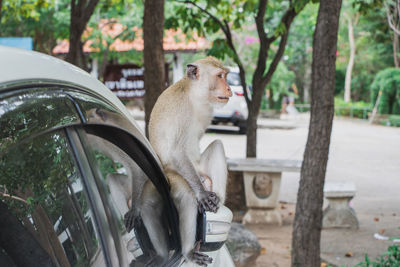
x=233, y=78
x=47, y=218
x=31, y=111
x=121, y=181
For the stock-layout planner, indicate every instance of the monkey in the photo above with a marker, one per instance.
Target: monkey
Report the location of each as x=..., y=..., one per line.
x=178, y=120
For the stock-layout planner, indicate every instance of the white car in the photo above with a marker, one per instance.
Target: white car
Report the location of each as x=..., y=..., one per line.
x=235, y=112
x=69, y=150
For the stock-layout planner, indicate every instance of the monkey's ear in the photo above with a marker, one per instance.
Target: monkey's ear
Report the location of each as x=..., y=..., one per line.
x=192, y=71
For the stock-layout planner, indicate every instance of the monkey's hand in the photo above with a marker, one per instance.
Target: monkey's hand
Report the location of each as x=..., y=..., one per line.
x=208, y=201
x=198, y=257
x=129, y=220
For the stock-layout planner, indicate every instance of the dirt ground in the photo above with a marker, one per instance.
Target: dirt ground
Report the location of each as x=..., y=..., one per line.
x=275, y=240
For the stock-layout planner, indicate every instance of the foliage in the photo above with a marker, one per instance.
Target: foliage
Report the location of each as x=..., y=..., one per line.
x=340, y=76
x=387, y=82
x=374, y=47
x=390, y=258
x=129, y=14
x=20, y=9
x=358, y=109
x=298, y=53
x=281, y=82
x=392, y=120
x=45, y=21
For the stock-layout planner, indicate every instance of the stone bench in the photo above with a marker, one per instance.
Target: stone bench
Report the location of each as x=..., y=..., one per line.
x=339, y=214
x=262, y=180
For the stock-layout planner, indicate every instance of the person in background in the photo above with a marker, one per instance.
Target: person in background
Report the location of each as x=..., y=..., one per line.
x=288, y=100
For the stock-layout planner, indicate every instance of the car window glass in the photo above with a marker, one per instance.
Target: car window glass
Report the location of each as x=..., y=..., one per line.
x=43, y=194
x=20, y=118
x=122, y=182
x=233, y=78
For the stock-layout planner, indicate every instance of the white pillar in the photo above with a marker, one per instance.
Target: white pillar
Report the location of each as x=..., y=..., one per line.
x=177, y=67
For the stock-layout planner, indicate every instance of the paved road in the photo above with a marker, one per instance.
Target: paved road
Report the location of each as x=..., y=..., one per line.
x=368, y=155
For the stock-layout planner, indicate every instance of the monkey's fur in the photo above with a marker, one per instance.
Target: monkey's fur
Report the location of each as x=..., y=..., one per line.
x=178, y=121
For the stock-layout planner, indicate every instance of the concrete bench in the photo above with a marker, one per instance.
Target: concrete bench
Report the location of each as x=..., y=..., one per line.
x=339, y=214
x=262, y=180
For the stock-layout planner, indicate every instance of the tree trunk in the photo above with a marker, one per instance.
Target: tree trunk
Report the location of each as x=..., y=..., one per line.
x=350, y=65
x=395, y=47
x=15, y=239
x=308, y=219
x=254, y=111
x=49, y=236
x=80, y=15
x=251, y=146
x=154, y=66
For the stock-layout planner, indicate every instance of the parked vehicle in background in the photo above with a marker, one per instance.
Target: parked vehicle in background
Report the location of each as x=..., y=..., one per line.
x=235, y=112
x=68, y=151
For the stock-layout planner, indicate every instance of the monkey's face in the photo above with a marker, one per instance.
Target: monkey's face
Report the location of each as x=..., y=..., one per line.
x=210, y=71
x=220, y=92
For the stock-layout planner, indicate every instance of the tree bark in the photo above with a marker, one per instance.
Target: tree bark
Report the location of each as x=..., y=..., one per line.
x=308, y=219
x=154, y=65
x=350, y=65
x=81, y=11
x=18, y=242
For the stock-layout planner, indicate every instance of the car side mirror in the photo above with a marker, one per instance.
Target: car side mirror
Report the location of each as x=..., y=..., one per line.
x=213, y=228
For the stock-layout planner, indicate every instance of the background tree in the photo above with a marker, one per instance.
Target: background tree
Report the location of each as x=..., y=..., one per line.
x=393, y=18
x=387, y=85
x=43, y=20
x=273, y=20
x=308, y=218
x=154, y=74
x=298, y=54
x=352, y=19
x=81, y=11
x=129, y=14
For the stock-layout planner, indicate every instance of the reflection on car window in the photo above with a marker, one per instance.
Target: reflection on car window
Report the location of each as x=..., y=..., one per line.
x=20, y=118
x=116, y=171
x=41, y=189
x=233, y=78
x=123, y=182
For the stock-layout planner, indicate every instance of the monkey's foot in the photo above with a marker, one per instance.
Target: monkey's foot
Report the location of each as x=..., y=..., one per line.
x=198, y=257
x=129, y=220
x=209, y=202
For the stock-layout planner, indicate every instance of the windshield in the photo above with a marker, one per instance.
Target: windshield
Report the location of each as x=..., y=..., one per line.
x=233, y=78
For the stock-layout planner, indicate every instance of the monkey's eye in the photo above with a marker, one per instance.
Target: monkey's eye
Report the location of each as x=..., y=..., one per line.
x=221, y=75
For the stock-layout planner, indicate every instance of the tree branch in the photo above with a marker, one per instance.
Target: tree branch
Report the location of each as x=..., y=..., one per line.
x=224, y=26
x=390, y=19
x=287, y=20
x=13, y=197
x=264, y=42
x=221, y=25
x=89, y=9
x=237, y=60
